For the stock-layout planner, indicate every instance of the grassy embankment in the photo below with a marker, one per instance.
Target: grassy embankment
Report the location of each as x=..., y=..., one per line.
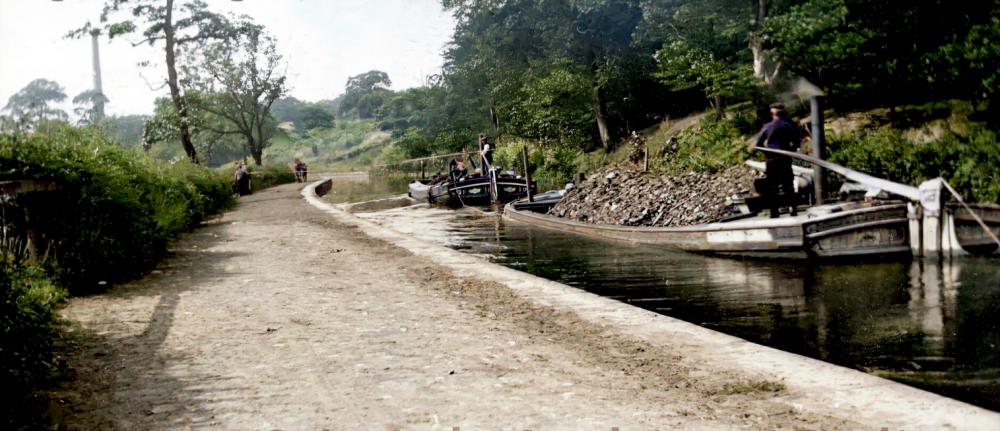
x=111, y=219
x=910, y=145
x=348, y=146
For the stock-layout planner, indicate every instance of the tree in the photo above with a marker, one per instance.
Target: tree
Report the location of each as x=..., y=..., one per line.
x=30, y=106
x=304, y=115
x=704, y=46
x=194, y=24
x=244, y=81
x=883, y=53
x=365, y=93
x=89, y=106
x=126, y=129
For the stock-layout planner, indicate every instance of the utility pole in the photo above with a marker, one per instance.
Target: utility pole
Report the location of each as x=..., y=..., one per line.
x=98, y=87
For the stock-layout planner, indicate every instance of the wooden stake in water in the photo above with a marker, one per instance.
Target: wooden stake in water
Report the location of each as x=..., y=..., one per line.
x=527, y=171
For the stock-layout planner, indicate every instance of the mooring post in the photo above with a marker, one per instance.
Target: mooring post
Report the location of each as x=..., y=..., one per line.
x=527, y=171
x=819, y=142
x=930, y=202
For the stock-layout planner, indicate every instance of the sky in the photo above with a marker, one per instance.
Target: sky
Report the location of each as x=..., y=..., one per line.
x=323, y=43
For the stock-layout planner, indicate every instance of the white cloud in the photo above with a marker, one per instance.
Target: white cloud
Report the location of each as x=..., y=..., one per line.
x=323, y=41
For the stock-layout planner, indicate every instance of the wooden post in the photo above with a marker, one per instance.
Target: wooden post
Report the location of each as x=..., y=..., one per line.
x=422, y=175
x=527, y=171
x=645, y=158
x=818, y=140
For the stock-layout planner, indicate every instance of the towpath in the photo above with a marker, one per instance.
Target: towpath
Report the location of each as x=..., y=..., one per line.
x=277, y=316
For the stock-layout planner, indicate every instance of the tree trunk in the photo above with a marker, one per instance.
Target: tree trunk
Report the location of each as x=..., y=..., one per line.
x=175, y=89
x=258, y=155
x=601, y=117
x=720, y=107
x=765, y=68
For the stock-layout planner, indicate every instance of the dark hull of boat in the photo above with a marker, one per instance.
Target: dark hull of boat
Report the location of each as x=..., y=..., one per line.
x=970, y=234
x=831, y=231
x=476, y=192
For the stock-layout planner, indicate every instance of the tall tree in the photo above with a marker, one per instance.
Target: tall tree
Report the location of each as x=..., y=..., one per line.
x=177, y=28
x=244, y=81
x=365, y=93
x=31, y=105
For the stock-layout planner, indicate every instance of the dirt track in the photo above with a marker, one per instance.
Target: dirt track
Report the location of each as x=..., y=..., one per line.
x=277, y=317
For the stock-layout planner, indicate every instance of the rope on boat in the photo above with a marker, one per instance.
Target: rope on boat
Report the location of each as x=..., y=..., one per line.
x=974, y=215
x=419, y=159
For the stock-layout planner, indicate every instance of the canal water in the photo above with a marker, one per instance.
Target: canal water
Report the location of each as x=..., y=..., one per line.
x=933, y=325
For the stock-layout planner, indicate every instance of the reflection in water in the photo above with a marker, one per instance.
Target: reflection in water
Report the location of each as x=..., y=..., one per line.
x=360, y=188
x=930, y=324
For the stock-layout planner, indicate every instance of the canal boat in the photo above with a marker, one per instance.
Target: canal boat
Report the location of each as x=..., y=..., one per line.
x=477, y=190
x=923, y=224
x=835, y=230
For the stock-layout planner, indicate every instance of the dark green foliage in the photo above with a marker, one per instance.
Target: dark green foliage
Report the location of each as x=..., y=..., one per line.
x=890, y=52
x=28, y=302
x=365, y=94
x=109, y=221
x=304, y=115
x=126, y=129
x=712, y=146
x=271, y=175
x=116, y=208
x=968, y=161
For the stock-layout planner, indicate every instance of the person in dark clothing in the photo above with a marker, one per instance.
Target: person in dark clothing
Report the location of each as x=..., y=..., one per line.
x=456, y=168
x=486, y=150
x=301, y=171
x=242, y=179
x=782, y=134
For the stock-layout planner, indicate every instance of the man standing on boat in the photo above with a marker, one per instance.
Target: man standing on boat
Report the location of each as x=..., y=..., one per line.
x=486, y=150
x=781, y=134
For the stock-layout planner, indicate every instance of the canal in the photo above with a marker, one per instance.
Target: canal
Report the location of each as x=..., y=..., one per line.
x=933, y=325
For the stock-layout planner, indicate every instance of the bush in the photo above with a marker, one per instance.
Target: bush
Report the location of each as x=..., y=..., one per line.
x=967, y=161
x=713, y=146
x=109, y=221
x=28, y=302
x=115, y=208
x=271, y=175
x=551, y=166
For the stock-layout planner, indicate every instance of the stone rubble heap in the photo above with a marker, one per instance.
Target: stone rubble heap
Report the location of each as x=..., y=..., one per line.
x=625, y=196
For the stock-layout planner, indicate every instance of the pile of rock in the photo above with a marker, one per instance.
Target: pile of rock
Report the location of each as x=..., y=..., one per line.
x=625, y=196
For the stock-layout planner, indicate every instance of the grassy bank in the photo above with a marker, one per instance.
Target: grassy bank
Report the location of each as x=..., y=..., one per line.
x=908, y=145
x=109, y=221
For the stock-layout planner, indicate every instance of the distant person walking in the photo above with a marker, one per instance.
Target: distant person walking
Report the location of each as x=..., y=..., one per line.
x=242, y=179
x=781, y=134
x=301, y=171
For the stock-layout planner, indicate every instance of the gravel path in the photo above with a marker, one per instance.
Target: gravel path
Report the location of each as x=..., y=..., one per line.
x=277, y=317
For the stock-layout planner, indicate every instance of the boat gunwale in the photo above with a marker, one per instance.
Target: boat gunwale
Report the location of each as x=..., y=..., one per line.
x=799, y=221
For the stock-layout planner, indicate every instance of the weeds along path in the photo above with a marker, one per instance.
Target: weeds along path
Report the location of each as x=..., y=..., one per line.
x=277, y=317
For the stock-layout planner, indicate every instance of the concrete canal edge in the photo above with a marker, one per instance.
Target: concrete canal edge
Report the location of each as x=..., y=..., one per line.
x=813, y=385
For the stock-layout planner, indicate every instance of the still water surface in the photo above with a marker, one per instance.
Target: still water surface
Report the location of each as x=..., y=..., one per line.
x=934, y=325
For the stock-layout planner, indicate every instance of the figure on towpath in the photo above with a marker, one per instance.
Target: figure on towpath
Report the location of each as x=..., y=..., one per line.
x=301, y=171
x=242, y=179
